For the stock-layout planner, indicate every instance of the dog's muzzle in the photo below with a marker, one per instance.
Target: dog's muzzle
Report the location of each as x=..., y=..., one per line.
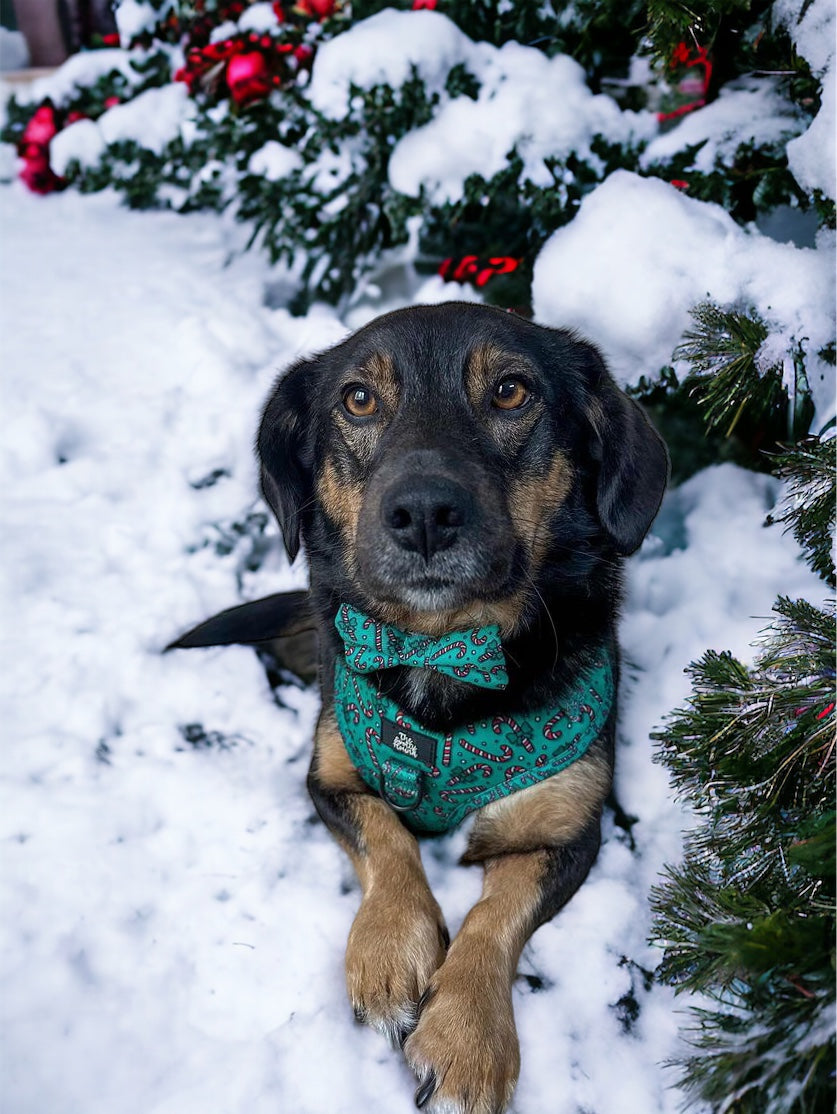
x=425, y=514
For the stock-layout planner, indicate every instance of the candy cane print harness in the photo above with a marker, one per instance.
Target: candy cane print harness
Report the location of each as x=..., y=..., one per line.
x=436, y=779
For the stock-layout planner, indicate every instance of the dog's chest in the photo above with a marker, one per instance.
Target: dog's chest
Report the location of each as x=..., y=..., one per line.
x=427, y=691
x=421, y=687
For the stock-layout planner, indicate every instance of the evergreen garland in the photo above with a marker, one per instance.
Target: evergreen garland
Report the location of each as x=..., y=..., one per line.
x=502, y=216
x=748, y=918
x=340, y=229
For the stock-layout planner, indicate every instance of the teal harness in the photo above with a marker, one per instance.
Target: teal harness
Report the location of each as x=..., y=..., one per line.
x=436, y=779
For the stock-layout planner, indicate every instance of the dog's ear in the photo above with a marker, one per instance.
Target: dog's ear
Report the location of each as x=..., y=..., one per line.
x=284, y=446
x=632, y=462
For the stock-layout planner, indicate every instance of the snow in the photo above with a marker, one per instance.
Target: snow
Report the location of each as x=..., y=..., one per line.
x=541, y=107
x=155, y=116
x=385, y=49
x=812, y=28
x=133, y=17
x=81, y=142
x=274, y=161
x=640, y=254
x=175, y=921
x=79, y=72
x=811, y=156
x=328, y=171
x=259, y=18
x=223, y=31
x=747, y=111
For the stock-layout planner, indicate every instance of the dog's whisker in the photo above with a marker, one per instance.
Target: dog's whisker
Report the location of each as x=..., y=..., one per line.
x=548, y=614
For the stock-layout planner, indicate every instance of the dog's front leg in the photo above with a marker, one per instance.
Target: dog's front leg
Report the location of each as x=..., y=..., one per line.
x=399, y=937
x=464, y=1049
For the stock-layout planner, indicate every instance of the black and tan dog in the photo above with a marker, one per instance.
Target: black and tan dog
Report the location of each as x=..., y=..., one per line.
x=456, y=470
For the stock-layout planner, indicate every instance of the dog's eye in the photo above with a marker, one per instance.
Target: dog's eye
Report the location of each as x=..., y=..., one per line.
x=359, y=401
x=510, y=394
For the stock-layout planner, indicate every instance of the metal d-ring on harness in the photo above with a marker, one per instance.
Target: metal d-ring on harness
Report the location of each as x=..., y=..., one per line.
x=400, y=806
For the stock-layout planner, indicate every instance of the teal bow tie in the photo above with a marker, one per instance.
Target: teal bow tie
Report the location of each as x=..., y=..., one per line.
x=474, y=656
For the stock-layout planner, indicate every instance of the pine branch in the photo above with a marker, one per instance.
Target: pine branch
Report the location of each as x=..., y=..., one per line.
x=748, y=918
x=673, y=21
x=725, y=376
x=809, y=503
x=781, y=1066
x=757, y=734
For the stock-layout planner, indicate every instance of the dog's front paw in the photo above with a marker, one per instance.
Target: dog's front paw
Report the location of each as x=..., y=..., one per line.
x=464, y=1049
x=394, y=948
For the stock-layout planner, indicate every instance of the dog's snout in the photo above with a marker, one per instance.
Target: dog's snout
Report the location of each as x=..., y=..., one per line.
x=426, y=514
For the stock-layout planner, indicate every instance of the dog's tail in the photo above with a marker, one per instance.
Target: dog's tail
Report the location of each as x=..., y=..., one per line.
x=283, y=624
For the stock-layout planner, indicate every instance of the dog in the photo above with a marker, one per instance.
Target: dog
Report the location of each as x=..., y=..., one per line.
x=466, y=484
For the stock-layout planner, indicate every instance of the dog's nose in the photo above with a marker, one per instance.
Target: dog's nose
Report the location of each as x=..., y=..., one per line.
x=425, y=514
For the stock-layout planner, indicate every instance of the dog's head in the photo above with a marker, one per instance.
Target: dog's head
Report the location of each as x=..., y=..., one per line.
x=444, y=459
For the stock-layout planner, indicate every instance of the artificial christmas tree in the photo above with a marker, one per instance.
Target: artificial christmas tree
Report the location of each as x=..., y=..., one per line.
x=748, y=918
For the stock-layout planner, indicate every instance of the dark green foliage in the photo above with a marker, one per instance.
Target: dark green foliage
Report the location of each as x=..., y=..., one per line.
x=677, y=415
x=509, y=215
x=742, y=39
x=177, y=178
x=761, y=723
x=488, y=221
x=766, y=48
x=461, y=83
x=824, y=207
x=748, y=919
x=785, y=1068
x=341, y=228
x=733, y=405
x=17, y=116
x=722, y=350
x=672, y=21
x=332, y=229
x=741, y=36
x=753, y=181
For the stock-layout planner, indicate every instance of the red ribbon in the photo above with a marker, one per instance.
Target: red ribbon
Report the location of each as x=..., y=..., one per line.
x=682, y=56
x=477, y=271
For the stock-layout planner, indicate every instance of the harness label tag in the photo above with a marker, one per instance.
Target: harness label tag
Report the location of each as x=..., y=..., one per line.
x=407, y=741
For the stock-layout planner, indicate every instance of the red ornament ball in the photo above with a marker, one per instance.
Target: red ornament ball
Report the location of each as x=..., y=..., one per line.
x=36, y=172
x=317, y=9
x=247, y=77
x=41, y=127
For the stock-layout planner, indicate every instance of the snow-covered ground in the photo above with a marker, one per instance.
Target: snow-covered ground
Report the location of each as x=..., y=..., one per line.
x=173, y=918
